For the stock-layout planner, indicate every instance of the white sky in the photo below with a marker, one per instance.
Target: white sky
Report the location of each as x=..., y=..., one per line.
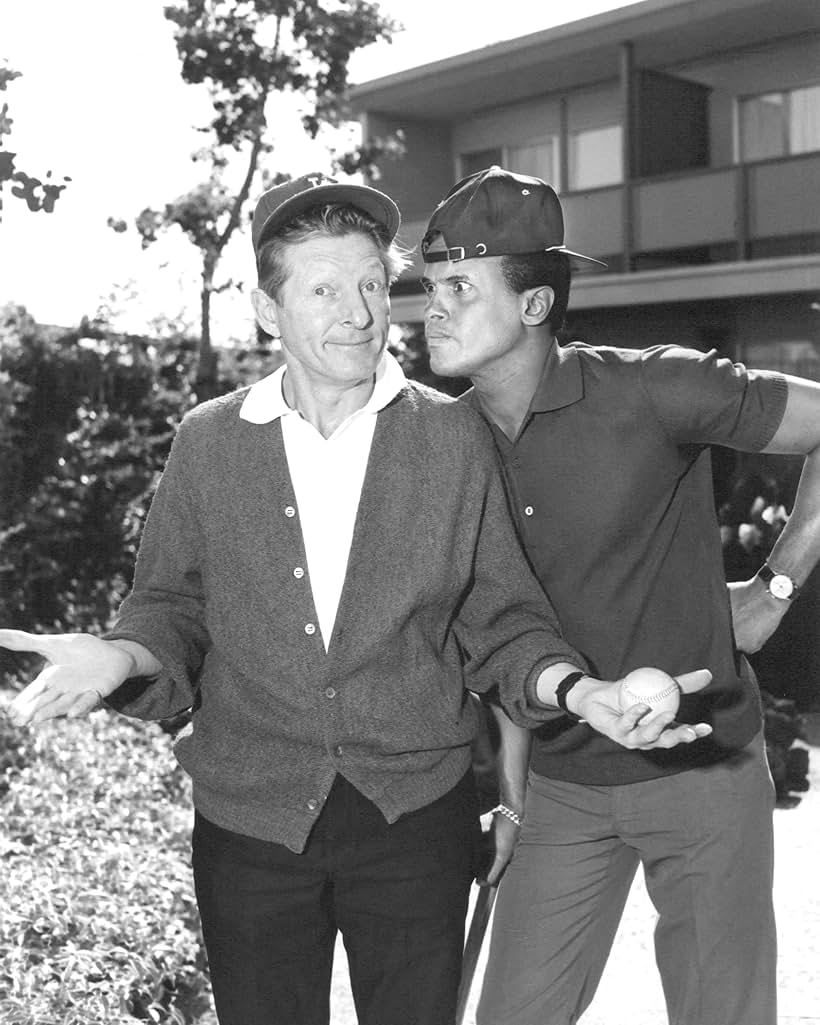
x=101, y=100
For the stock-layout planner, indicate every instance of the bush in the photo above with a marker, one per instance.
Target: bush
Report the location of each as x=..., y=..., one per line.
x=100, y=922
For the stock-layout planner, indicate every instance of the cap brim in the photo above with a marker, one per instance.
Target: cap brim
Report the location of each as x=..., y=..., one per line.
x=576, y=256
x=377, y=204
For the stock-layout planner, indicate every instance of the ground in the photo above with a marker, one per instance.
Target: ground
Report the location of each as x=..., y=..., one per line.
x=630, y=991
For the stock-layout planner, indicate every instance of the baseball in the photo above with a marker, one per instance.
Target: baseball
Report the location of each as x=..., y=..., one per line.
x=649, y=687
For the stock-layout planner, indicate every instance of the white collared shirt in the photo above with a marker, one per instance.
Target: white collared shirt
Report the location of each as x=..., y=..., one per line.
x=327, y=475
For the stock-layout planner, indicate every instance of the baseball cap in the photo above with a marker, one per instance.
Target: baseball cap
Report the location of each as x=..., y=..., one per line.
x=497, y=213
x=285, y=201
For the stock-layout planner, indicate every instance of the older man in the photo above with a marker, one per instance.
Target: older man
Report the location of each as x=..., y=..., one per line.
x=328, y=563
x=607, y=456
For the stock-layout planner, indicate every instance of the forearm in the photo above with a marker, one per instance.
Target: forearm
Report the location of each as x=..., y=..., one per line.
x=797, y=550
x=512, y=760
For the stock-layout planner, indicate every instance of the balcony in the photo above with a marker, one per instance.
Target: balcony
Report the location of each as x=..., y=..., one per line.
x=718, y=232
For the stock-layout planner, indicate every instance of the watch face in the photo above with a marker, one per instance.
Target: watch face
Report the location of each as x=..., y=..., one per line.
x=781, y=586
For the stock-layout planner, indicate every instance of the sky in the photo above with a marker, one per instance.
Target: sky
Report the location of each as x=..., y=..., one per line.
x=101, y=100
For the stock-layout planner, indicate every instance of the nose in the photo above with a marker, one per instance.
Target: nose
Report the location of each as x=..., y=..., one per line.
x=356, y=311
x=433, y=309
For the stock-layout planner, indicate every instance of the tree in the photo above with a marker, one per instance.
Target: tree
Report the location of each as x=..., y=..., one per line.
x=37, y=194
x=244, y=51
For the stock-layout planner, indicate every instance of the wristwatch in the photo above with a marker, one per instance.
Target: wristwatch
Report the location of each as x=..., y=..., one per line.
x=780, y=585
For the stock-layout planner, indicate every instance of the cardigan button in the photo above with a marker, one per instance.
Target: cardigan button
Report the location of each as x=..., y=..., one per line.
x=528, y=510
x=298, y=572
x=289, y=511
x=330, y=692
x=312, y=804
x=310, y=629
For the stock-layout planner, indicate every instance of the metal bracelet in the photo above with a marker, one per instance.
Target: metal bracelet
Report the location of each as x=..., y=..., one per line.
x=513, y=816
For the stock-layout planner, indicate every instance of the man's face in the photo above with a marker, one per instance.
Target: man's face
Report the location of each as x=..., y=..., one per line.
x=333, y=310
x=472, y=320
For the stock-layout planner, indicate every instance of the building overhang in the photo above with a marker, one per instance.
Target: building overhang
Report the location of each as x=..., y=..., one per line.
x=662, y=33
x=755, y=278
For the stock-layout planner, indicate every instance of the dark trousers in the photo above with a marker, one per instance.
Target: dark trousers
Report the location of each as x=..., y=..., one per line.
x=398, y=894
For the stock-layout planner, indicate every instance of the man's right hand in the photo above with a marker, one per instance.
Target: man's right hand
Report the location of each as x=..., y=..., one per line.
x=81, y=671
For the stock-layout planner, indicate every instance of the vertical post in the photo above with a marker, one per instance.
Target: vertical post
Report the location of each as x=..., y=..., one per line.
x=563, y=146
x=742, y=211
x=628, y=133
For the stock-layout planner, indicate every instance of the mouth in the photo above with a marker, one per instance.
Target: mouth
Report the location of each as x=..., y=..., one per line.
x=356, y=343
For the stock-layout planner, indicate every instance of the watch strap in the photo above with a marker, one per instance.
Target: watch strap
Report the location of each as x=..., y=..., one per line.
x=563, y=688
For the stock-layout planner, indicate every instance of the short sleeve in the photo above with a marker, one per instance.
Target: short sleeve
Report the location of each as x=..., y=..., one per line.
x=704, y=398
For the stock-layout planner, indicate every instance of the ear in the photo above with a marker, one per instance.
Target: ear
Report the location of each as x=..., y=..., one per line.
x=264, y=309
x=536, y=304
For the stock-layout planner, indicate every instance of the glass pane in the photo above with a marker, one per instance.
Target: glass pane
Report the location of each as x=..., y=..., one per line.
x=804, y=119
x=479, y=160
x=595, y=158
x=537, y=159
x=762, y=127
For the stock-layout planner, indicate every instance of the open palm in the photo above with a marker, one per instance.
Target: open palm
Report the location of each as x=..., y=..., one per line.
x=81, y=670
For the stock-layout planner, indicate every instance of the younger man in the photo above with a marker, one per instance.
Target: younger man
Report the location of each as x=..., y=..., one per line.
x=607, y=459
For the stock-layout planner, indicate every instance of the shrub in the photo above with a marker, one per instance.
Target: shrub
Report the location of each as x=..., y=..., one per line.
x=100, y=922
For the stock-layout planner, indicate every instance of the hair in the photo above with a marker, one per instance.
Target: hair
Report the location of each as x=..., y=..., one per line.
x=332, y=220
x=531, y=270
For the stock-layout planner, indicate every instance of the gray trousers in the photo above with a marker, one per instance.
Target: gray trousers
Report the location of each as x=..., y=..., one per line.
x=705, y=840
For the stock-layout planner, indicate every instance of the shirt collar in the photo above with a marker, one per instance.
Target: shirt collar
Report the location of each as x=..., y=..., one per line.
x=265, y=401
x=562, y=380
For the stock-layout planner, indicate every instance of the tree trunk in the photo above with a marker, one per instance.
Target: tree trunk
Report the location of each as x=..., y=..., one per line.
x=207, y=379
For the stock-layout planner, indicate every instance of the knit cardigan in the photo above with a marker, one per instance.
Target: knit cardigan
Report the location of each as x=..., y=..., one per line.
x=438, y=598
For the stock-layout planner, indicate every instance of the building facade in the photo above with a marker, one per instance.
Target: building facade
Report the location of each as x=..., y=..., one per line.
x=684, y=139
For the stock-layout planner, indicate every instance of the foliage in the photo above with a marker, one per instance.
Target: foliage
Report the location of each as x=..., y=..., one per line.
x=244, y=53
x=86, y=422
x=37, y=194
x=100, y=922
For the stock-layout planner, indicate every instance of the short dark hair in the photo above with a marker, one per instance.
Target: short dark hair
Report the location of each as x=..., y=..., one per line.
x=335, y=220
x=531, y=270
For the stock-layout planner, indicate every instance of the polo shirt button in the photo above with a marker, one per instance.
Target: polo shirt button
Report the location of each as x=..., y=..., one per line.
x=289, y=511
x=338, y=750
x=298, y=572
x=310, y=629
x=313, y=804
x=528, y=510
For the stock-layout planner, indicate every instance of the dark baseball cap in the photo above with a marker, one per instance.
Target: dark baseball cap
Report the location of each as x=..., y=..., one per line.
x=283, y=202
x=497, y=213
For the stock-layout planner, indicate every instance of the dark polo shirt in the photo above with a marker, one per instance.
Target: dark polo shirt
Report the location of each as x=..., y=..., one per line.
x=611, y=485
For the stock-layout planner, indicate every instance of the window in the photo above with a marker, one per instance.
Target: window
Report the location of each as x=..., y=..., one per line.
x=479, y=160
x=539, y=159
x=779, y=124
x=595, y=157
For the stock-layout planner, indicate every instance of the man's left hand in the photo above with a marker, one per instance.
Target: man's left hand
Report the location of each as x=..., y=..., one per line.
x=503, y=834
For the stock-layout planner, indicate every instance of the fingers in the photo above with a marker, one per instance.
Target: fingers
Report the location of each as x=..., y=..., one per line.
x=689, y=683
x=47, y=698
x=25, y=704
x=494, y=873
x=661, y=732
x=21, y=640
x=685, y=734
